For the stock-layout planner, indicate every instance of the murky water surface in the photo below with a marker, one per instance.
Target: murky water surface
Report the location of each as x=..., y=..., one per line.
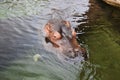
x=24, y=55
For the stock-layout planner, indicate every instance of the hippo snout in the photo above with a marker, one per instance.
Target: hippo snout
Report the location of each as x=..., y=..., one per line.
x=72, y=53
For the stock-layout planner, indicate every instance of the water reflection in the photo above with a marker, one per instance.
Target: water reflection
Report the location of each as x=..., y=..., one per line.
x=36, y=7
x=101, y=36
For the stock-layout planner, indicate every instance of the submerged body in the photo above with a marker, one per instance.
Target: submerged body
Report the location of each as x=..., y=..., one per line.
x=61, y=35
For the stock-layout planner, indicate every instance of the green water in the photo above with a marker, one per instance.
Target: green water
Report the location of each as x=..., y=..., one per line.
x=103, y=40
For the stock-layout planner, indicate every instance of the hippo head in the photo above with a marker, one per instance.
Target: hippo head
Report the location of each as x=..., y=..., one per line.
x=61, y=35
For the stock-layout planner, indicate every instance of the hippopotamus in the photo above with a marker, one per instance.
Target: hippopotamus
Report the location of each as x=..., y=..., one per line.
x=61, y=35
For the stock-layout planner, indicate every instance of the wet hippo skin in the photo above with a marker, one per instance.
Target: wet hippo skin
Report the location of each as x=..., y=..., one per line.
x=60, y=34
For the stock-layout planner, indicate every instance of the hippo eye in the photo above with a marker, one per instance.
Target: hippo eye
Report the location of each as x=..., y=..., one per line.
x=54, y=36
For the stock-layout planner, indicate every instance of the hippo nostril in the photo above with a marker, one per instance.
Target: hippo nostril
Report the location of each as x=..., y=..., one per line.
x=71, y=54
x=76, y=54
x=70, y=51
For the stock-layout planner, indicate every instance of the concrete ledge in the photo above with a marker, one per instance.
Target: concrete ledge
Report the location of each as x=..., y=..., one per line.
x=115, y=3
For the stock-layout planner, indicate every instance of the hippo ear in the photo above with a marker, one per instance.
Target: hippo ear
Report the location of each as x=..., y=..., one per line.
x=67, y=23
x=73, y=33
x=47, y=27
